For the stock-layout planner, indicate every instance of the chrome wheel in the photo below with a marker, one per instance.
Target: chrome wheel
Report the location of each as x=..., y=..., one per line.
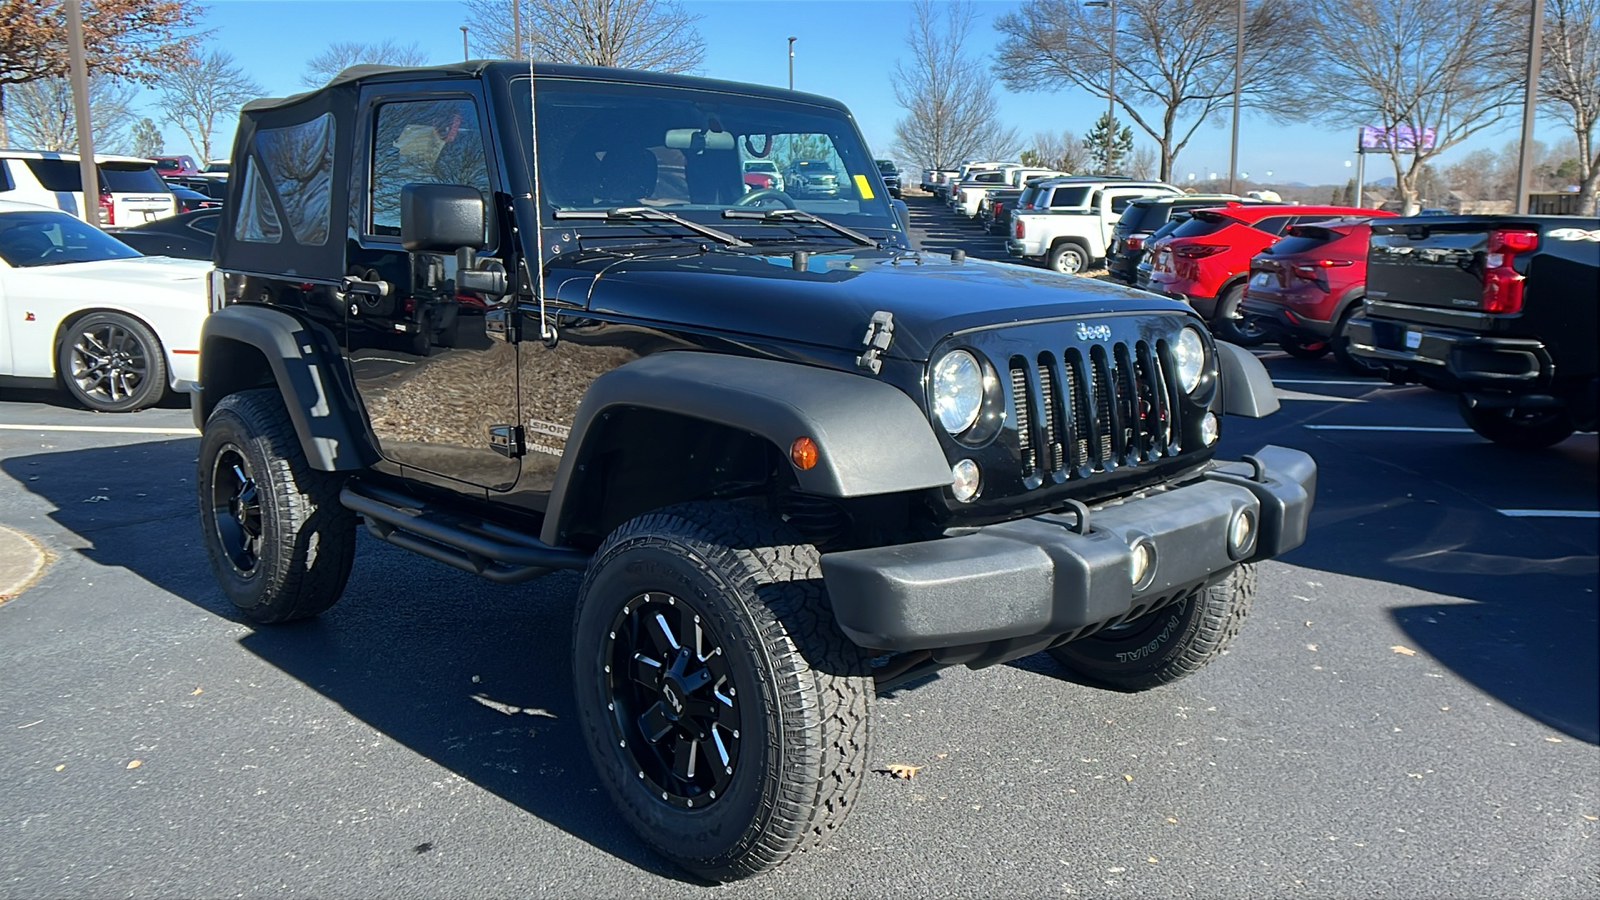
x=672, y=703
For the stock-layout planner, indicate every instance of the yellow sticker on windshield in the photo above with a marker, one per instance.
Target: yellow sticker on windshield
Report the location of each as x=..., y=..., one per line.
x=863, y=187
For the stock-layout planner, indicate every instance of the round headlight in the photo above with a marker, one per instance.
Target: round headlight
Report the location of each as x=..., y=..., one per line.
x=1189, y=351
x=964, y=480
x=957, y=391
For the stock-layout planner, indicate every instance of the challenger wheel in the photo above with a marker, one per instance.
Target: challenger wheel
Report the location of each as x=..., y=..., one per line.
x=725, y=713
x=112, y=363
x=279, y=541
x=1168, y=644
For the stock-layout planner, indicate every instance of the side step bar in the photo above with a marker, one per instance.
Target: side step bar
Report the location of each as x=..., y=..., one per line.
x=482, y=548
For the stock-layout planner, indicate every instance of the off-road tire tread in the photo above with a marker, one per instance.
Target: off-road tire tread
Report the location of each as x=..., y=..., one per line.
x=1222, y=609
x=306, y=583
x=823, y=680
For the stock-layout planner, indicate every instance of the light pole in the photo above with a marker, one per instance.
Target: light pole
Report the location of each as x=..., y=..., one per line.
x=1111, y=79
x=88, y=177
x=791, y=62
x=1525, y=158
x=1238, y=67
x=464, y=55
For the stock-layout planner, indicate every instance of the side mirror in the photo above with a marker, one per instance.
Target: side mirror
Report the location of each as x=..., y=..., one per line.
x=441, y=218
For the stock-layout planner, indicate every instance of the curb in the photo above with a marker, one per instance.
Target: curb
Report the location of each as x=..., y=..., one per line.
x=22, y=561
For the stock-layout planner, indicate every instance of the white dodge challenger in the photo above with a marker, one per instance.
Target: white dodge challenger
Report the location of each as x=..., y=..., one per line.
x=84, y=311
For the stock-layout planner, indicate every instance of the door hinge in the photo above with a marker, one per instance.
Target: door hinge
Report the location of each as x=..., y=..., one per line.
x=503, y=325
x=506, y=440
x=880, y=332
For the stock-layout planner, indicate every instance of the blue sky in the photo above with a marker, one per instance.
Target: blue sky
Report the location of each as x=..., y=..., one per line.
x=845, y=49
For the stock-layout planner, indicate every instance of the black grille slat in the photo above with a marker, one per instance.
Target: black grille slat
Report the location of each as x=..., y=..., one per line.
x=1066, y=416
x=1151, y=379
x=1130, y=401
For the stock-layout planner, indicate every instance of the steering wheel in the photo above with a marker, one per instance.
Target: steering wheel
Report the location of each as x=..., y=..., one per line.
x=755, y=198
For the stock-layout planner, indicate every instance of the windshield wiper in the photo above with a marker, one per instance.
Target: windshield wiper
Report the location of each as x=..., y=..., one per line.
x=623, y=213
x=798, y=215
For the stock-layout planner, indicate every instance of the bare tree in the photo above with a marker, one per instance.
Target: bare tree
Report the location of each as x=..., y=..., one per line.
x=658, y=35
x=202, y=97
x=41, y=114
x=131, y=39
x=341, y=55
x=1442, y=66
x=1174, y=59
x=1061, y=151
x=1569, y=82
x=1142, y=162
x=947, y=94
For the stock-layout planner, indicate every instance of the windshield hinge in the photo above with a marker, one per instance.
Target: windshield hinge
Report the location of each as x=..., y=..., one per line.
x=880, y=332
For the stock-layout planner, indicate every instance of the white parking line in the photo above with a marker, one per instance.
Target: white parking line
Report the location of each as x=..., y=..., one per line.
x=1550, y=513
x=98, y=429
x=1302, y=395
x=1388, y=428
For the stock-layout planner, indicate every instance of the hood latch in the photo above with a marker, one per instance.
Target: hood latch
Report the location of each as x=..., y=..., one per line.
x=880, y=332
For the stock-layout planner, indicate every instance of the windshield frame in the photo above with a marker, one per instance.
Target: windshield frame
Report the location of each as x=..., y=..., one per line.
x=876, y=217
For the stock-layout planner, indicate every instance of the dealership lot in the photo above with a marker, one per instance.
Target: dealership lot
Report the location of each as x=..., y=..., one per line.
x=1412, y=710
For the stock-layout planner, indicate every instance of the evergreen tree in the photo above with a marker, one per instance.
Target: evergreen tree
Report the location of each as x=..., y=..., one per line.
x=1094, y=143
x=147, y=139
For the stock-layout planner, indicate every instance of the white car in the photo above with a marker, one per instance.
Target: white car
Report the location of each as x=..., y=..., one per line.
x=131, y=192
x=82, y=310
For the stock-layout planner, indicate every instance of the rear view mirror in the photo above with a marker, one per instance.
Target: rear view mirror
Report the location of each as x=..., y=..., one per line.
x=441, y=218
x=698, y=139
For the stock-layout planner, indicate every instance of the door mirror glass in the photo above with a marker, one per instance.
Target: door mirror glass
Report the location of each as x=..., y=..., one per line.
x=441, y=218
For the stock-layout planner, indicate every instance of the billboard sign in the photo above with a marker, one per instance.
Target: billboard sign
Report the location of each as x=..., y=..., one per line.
x=1400, y=137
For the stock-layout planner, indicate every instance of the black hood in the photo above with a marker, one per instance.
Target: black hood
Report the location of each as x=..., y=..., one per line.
x=830, y=302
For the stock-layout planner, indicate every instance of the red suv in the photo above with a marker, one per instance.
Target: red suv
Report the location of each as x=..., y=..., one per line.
x=1305, y=289
x=1206, y=261
x=171, y=166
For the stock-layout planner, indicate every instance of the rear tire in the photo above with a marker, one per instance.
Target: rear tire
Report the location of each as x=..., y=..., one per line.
x=1340, y=343
x=1229, y=322
x=1519, y=429
x=1168, y=644
x=726, y=714
x=1304, y=349
x=279, y=541
x=1068, y=259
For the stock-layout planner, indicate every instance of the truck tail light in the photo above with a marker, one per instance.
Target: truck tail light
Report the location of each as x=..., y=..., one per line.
x=1133, y=243
x=1017, y=229
x=1502, y=286
x=1198, y=251
x=108, y=211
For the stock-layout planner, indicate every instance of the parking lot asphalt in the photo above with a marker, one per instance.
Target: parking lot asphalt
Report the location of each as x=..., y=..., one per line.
x=1413, y=708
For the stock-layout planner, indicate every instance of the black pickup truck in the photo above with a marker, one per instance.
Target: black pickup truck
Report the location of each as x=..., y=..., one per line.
x=1500, y=310
x=525, y=321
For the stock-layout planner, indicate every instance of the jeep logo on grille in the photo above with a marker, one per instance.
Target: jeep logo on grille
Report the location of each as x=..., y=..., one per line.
x=1094, y=332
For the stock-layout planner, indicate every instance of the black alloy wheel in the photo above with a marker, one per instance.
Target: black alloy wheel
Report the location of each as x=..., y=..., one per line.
x=672, y=700
x=236, y=509
x=1230, y=323
x=112, y=363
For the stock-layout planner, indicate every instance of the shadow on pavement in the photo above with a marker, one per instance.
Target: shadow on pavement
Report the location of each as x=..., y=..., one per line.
x=474, y=677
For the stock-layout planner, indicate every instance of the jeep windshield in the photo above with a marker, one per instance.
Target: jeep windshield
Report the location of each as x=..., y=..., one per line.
x=608, y=145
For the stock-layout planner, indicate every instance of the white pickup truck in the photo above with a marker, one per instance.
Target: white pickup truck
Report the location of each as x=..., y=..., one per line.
x=966, y=198
x=1066, y=223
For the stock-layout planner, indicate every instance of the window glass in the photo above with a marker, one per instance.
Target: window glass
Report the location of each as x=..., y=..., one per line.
x=1120, y=204
x=48, y=238
x=424, y=142
x=5, y=176
x=1272, y=224
x=123, y=178
x=257, y=219
x=1070, y=196
x=1028, y=194
x=57, y=175
x=299, y=161
x=207, y=224
x=1305, y=242
x=1203, y=224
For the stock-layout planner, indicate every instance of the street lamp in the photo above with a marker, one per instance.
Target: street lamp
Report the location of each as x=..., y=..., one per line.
x=1111, y=78
x=464, y=56
x=791, y=62
x=1238, y=68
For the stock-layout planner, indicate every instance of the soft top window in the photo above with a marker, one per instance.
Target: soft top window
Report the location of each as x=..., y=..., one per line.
x=298, y=162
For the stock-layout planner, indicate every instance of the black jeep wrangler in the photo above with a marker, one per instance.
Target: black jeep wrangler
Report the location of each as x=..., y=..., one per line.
x=519, y=322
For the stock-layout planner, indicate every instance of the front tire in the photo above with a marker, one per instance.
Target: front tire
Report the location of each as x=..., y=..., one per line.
x=726, y=714
x=1230, y=323
x=112, y=363
x=1068, y=259
x=1519, y=429
x=279, y=541
x=1168, y=644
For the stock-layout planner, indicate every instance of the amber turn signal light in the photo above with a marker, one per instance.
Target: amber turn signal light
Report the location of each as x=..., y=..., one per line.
x=803, y=452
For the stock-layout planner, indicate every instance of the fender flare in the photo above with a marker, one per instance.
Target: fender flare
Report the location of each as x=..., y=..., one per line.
x=1246, y=387
x=306, y=367
x=873, y=438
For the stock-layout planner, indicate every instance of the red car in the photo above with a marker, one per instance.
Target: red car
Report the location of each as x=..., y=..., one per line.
x=1305, y=289
x=759, y=181
x=1206, y=261
x=172, y=166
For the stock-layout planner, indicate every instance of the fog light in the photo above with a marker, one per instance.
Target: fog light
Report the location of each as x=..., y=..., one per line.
x=1208, y=428
x=1241, y=534
x=1141, y=563
x=964, y=480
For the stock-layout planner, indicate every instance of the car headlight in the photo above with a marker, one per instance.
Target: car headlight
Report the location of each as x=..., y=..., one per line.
x=957, y=390
x=1189, y=352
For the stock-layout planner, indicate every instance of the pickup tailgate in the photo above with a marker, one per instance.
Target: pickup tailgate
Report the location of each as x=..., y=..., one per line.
x=1437, y=261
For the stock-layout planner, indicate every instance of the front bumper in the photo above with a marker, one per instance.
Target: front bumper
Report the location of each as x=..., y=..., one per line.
x=1014, y=588
x=1450, y=359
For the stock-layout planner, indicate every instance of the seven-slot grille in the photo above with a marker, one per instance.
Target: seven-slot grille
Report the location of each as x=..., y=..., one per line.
x=1080, y=413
